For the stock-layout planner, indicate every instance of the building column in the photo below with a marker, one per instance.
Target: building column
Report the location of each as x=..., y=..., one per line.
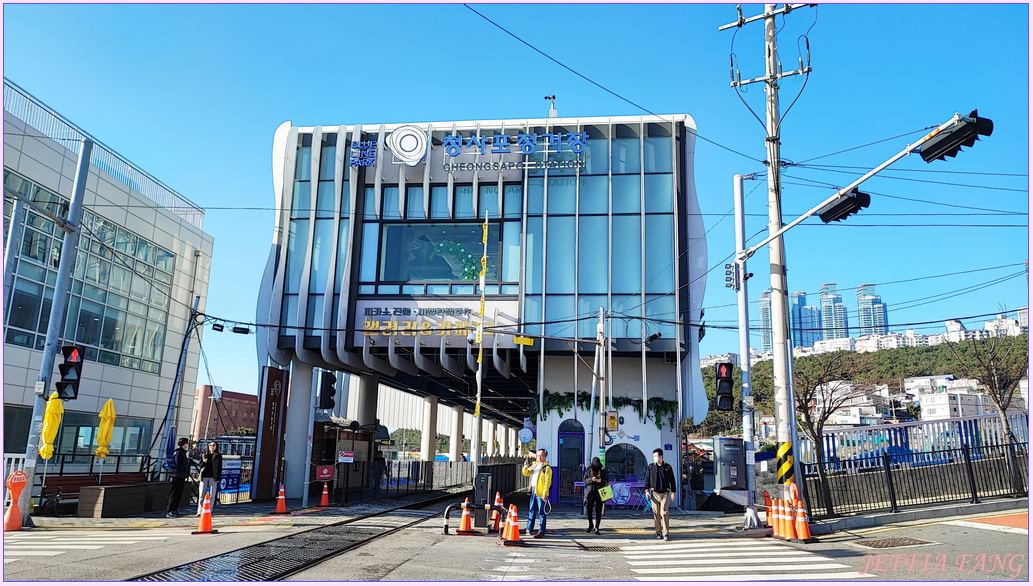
x=455, y=444
x=503, y=440
x=429, y=437
x=490, y=438
x=366, y=402
x=299, y=403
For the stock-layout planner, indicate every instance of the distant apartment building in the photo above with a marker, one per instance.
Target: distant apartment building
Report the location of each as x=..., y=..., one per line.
x=1003, y=326
x=765, y=321
x=834, y=345
x=805, y=321
x=712, y=360
x=874, y=342
x=871, y=312
x=1023, y=318
x=833, y=313
x=217, y=412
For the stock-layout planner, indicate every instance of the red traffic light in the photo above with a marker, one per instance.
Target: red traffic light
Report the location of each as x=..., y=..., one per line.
x=724, y=370
x=72, y=353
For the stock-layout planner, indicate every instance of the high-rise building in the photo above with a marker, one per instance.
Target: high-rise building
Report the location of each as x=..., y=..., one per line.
x=765, y=321
x=833, y=313
x=804, y=320
x=871, y=311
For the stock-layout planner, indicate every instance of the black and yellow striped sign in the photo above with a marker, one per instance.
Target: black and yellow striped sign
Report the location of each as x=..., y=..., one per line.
x=785, y=463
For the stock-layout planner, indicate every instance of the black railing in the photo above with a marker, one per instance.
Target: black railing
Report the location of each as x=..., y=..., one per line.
x=889, y=481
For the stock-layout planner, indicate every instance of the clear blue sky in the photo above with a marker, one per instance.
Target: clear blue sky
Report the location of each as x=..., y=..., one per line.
x=193, y=93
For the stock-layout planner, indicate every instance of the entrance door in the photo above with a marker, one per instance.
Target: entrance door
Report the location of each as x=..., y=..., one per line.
x=571, y=460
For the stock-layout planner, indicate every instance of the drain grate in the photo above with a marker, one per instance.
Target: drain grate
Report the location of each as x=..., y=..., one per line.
x=890, y=543
x=601, y=548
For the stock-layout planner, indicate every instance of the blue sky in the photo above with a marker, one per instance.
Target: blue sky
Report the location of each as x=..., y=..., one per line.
x=193, y=94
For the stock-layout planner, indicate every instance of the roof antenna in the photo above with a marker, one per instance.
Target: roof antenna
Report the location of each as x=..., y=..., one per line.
x=552, y=107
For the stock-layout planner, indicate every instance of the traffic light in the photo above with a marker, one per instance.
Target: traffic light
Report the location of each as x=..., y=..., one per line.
x=724, y=400
x=327, y=389
x=71, y=372
x=849, y=203
x=949, y=141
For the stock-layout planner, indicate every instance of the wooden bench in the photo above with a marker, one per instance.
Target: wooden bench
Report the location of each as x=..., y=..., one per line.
x=68, y=486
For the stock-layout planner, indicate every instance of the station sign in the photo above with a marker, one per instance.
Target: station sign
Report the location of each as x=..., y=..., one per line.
x=346, y=456
x=436, y=321
x=324, y=472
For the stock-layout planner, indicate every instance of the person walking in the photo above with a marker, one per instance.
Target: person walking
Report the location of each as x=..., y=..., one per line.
x=179, y=471
x=211, y=474
x=539, y=486
x=378, y=467
x=660, y=488
x=595, y=478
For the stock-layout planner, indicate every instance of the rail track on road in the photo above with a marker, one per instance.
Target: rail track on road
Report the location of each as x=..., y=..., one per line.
x=281, y=557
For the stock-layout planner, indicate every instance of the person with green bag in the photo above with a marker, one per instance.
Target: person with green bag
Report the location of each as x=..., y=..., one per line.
x=597, y=490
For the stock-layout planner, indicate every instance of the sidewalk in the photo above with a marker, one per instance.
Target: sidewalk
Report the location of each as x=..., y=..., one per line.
x=563, y=518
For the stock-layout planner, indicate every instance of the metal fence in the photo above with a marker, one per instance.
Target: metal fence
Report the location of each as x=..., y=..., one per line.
x=50, y=124
x=357, y=482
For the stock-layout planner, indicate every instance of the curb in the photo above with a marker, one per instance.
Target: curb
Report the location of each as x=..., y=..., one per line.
x=879, y=519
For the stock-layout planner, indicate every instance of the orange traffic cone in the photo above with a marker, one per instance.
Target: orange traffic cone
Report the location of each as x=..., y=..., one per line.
x=780, y=519
x=767, y=509
x=513, y=534
x=13, y=517
x=281, y=503
x=790, y=521
x=325, y=500
x=803, y=530
x=466, y=524
x=204, y=526
x=496, y=518
x=776, y=519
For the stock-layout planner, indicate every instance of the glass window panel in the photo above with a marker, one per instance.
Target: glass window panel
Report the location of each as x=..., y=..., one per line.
x=439, y=202
x=151, y=367
x=367, y=289
x=80, y=266
x=626, y=155
x=137, y=307
x=164, y=260
x=414, y=204
x=34, y=272
x=322, y=249
x=135, y=331
x=533, y=256
x=303, y=163
x=158, y=314
x=314, y=314
x=97, y=270
x=346, y=197
x=562, y=195
x=535, y=195
x=560, y=255
x=112, y=328
x=105, y=231
x=35, y=246
x=588, y=305
x=51, y=278
x=128, y=362
x=41, y=342
x=91, y=354
x=88, y=328
x=510, y=289
x=488, y=202
x=118, y=301
x=125, y=241
x=488, y=290
x=77, y=287
x=464, y=202
x=325, y=199
x=160, y=295
x=26, y=300
x=140, y=289
x=297, y=238
x=626, y=264
x=94, y=293
x=462, y=289
x=342, y=252
x=594, y=235
x=437, y=289
x=145, y=251
x=163, y=277
x=301, y=200
x=327, y=161
x=121, y=279
x=369, y=204
x=71, y=317
x=437, y=252
x=659, y=193
x=20, y=338
x=657, y=151
x=512, y=201
x=368, y=254
x=387, y=290
x=390, y=209
x=289, y=314
x=597, y=156
x=334, y=311
x=560, y=308
x=659, y=254
x=39, y=222
x=511, y=252
x=661, y=307
x=413, y=289
x=108, y=358
x=627, y=192
x=594, y=195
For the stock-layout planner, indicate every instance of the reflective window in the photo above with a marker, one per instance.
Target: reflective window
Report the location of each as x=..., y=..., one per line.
x=559, y=316
x=588, y=305
x=325, y=199
x=488, y=202
x=625, y=157
x=414, y=204
x=597, y=155
x=513, y=201
x=296, y=239
x=535, y=195
x=625, y=463
x=368, y=254
x=626, y=264
x=657, y=151
x=533, y=256
x=561, y=195
x=439, y=202
x=559, y=258
x=511, y=252
x=659, y=193
x=593, y=252
x=437, y=252
x=322, y=249
x=390, y=209
x=464, y=202
x=659, y=253
x=594, y=195
x=627, y=192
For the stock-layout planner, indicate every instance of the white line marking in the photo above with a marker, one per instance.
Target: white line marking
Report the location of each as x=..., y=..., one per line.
x=758, y=577
x=51, y=546
x=778, y=567
x=989, y=527
x=680, y=554
x=720, y=560
x=30, y=552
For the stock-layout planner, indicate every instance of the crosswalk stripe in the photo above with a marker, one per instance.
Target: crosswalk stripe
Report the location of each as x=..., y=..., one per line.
x=695, y=543
x=989, y=527
x=678, y=554
x=37, y=552
x=668, y=571
x=716, y=558
x=50, y=546
x=759, y=577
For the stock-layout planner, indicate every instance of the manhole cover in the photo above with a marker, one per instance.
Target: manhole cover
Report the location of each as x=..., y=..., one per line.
x=600, y=548
x=893, y=542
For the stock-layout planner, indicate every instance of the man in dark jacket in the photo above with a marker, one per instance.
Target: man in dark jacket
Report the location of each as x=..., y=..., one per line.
x=178, y=472
x=660, y=488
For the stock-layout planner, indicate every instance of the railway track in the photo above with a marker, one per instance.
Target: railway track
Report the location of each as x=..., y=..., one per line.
x=284, y=556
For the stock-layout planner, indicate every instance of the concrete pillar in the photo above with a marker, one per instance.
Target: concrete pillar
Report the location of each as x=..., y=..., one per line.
x=366, y=403
x=503, y=440
x=455, y=444
x=299, y=403
x=489, y=438
x=428, y=440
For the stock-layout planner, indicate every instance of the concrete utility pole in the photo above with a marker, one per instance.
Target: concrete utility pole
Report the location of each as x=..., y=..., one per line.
x=55, y=327
x=783, y=395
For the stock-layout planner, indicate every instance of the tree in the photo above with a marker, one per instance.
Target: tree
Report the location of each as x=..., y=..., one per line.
x=822, y=386
x=997, y=363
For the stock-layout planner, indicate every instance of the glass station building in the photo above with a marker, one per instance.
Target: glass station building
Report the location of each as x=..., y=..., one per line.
x=376, y=254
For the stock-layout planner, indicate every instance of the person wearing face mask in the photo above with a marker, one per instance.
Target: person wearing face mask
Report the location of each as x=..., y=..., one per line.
x=660, y=489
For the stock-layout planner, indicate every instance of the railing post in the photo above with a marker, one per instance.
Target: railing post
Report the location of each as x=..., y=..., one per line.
x=889, y=483
x=970, y=473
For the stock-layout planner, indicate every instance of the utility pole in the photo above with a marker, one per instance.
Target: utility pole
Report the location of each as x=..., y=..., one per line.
x=783, y=395
x=168, y=424
x=751, y=520
x=56, y=324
